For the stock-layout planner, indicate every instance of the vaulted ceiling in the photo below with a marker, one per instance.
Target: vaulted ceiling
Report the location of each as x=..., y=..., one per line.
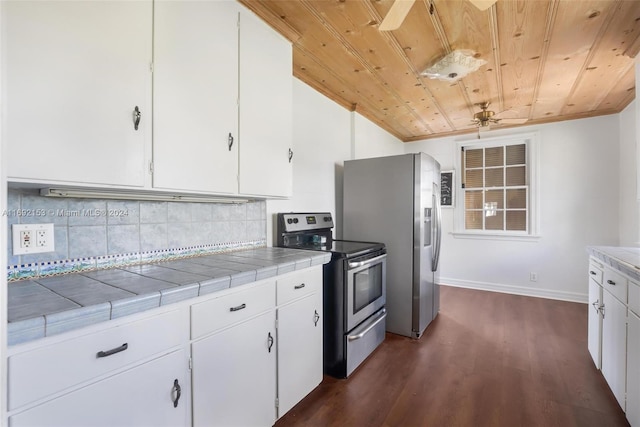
x=546, y=60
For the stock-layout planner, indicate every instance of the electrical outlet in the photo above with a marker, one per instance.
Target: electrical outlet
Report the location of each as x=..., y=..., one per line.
x=32, y=238
x=533, y=276
x=26, y=239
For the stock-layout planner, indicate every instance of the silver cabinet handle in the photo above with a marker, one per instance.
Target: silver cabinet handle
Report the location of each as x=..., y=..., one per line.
x=596, y=305
x=316, y=317
x=230, y=141
x=290, y=155
x=136, y=117
x=238, y=308
x=108, y=353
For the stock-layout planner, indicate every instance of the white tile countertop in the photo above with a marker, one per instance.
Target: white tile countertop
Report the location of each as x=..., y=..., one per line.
x=51, y=305
x=624, y=259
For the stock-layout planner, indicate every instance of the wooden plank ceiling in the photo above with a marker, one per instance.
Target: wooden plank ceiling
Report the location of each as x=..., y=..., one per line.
x=546, y=60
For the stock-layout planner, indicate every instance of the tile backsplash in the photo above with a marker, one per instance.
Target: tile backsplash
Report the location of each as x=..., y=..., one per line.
x=90, y=228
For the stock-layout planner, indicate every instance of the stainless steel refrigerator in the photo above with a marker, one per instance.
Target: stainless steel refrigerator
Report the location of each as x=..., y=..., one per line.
x=396, y=200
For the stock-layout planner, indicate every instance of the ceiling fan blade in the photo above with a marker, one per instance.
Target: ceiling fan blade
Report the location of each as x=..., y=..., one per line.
x=396, y=15
x=483, y=4
x=513, y=121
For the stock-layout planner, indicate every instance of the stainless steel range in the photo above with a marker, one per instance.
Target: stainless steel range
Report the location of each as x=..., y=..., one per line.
x=354, y=289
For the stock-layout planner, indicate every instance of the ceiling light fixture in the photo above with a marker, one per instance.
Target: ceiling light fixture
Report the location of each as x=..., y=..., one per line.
x=81, y=193
x=454, y=66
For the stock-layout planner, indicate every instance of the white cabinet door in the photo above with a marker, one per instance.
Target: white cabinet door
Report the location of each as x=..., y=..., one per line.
x=633, y=370
x=614, y=345
x=299, y=350
x=143, y=396
x=74, y=72
x=266, y=94
x=234, y=375
x=196, y=96
x=595, y=322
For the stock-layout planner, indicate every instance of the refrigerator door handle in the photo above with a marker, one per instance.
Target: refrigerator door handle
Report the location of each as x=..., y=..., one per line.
x=438, y=227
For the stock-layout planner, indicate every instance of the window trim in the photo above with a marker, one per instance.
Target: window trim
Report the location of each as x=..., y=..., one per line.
x=531, y=139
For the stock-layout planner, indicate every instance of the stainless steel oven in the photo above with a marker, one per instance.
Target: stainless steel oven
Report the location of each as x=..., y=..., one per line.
x=354, y=289
x=366, y=287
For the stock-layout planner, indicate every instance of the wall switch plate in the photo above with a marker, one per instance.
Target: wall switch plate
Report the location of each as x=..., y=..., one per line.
x=32, y=238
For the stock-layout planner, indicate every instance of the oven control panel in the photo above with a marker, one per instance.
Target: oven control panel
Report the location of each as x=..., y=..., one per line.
x=292, y=222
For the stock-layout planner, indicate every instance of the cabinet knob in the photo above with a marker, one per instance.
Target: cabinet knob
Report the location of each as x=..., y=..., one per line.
x=136, y=117
x=178, y=391
x=230, y=141
x=270, y=341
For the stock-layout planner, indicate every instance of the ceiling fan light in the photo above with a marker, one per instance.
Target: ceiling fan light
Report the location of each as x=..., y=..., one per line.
x=454, y=66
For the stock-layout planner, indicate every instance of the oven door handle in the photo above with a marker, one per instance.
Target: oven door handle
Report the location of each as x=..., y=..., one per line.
x=383, y=315
x=367, y=261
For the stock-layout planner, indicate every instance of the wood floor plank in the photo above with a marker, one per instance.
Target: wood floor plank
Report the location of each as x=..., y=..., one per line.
x=489, y=359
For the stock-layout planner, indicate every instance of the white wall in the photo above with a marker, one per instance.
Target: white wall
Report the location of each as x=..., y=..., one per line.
x=629, y=205
x=582, y=164
x=579, y=204
x=371, y=141
x=324, y=136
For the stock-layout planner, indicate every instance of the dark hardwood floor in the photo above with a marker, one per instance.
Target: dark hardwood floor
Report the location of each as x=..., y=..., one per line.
x=489, y=359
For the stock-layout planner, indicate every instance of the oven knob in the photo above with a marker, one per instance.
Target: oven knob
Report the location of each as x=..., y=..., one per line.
x=295, y=220
x=327, y=218
x=289, y=221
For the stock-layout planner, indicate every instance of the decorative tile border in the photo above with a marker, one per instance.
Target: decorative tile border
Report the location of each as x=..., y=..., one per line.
x=56, y=268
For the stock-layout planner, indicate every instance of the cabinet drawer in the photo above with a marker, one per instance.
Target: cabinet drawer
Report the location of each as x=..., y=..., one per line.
x=298, y=284
x=595, y=271
x=615, y=283
x=217, y=313
x=634, y=297
x=49, y=369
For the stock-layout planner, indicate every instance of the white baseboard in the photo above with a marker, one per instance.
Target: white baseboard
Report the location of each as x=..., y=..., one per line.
x=516, y=290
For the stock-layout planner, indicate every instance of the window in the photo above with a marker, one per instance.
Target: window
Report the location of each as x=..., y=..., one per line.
x=498, y=192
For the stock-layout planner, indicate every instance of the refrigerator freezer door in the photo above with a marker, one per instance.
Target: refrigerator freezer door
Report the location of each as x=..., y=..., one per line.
x=424, y=244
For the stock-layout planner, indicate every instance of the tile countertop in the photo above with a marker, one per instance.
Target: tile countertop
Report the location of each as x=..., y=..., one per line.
x=48, y=306
x=626, y=260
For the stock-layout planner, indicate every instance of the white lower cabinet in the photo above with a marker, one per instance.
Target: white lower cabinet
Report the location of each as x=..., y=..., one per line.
x=614, y=345
x=152, y=394
x=614, y=334
x=136, y=372
x=299, y=350
x=633, y=369
x=234, y=375
x=594, y=338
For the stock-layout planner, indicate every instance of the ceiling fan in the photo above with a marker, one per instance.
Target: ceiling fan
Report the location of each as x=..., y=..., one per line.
x=400, y=9
x=485, y=118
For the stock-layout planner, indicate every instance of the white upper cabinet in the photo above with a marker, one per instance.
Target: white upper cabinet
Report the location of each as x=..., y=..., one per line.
x=266, y=121
x=195, y=144
x=79, y=74
x=74, y=73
